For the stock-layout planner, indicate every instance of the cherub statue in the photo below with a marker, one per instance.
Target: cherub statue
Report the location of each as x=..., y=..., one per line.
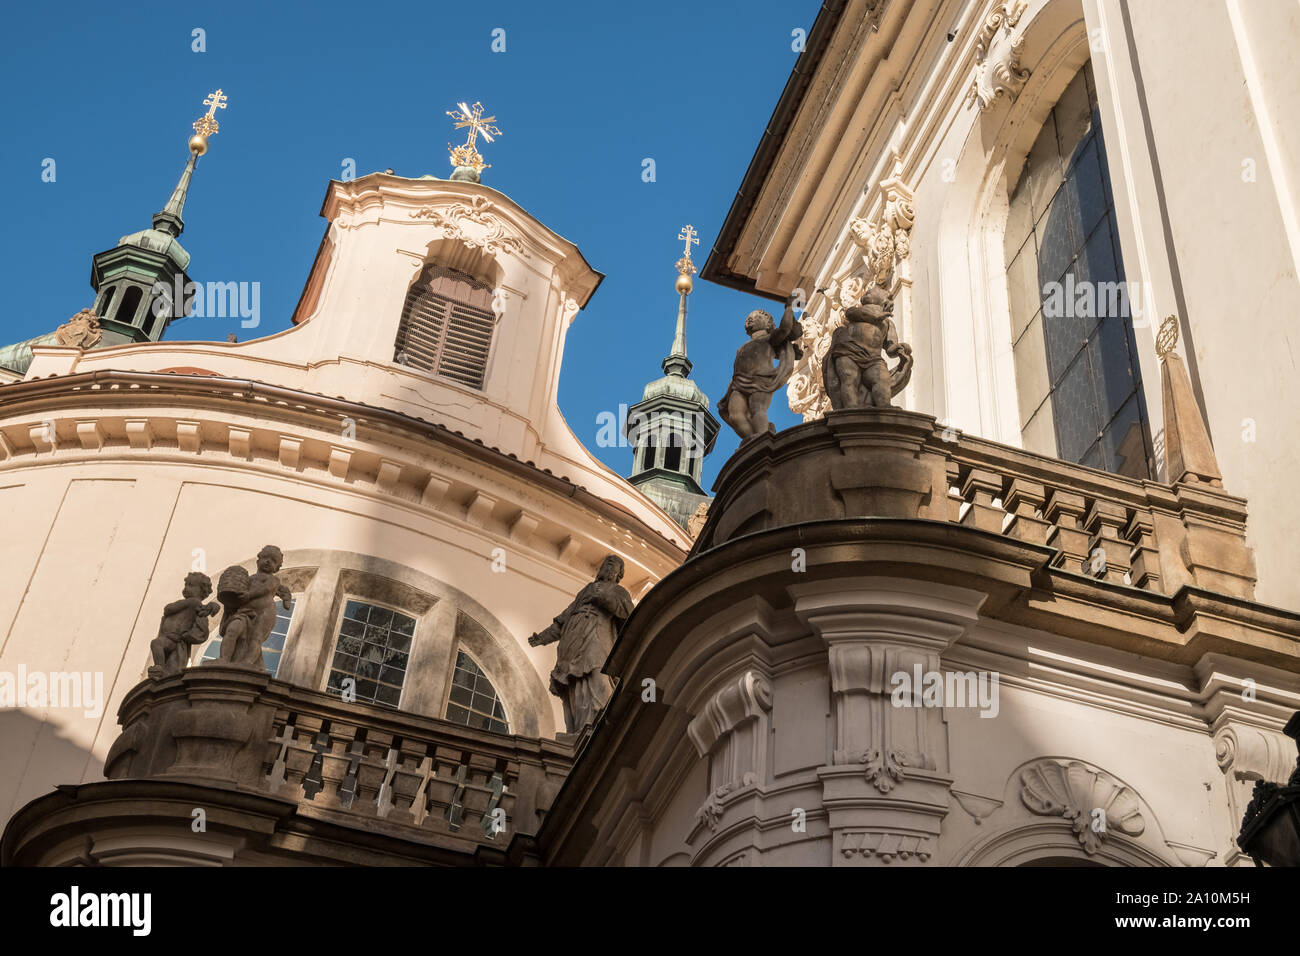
x=249, y=601
x=854, y=369
x=184, y=624
x=754, y=380
x=586, y=630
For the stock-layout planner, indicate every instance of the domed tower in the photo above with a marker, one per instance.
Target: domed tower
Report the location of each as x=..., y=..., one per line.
x=127, y=277
x=671, y=427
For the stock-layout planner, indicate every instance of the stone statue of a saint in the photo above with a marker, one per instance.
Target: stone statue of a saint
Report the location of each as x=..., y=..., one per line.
x=249, y=601
x=754, y=380
x=585, y=631
x=184, y=624
x=854, y=370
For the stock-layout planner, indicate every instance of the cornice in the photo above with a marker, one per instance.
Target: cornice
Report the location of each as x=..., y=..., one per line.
x=182, y=418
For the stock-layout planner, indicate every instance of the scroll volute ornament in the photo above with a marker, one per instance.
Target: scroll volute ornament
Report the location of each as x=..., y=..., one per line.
x=997, y=55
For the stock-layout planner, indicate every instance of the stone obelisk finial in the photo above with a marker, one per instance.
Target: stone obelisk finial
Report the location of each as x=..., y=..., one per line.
x=1189, y=456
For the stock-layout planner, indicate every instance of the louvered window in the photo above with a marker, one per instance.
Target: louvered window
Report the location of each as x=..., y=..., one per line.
x=446, y=326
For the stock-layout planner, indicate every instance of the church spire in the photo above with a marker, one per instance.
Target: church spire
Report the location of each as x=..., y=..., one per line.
x=168, y=219
x=149, y=265
x=671, y=427
x=677, y=363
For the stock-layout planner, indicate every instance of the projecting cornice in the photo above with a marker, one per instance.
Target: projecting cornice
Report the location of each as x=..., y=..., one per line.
x=208, y=420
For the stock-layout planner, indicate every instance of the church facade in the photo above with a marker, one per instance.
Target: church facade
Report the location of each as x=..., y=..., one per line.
x=1035, y=610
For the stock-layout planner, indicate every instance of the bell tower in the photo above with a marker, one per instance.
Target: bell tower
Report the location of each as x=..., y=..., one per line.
x=125, y=278
x=671, y=428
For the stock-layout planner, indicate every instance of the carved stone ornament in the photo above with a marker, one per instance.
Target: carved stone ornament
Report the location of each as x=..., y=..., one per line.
x=1057, y=788
x=475, y=225
x=885, y=241
x=82, y=330
x=884, y=768
x=698, y=519
x=997, y=55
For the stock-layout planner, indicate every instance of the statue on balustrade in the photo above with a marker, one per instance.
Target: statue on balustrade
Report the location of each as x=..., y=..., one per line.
x=586, y=630
x=184, y=624
x=249, y=601
x=754, y=379
x=854, y=370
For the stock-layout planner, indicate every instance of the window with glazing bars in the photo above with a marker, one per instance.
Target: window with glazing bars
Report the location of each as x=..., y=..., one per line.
x=446, y=327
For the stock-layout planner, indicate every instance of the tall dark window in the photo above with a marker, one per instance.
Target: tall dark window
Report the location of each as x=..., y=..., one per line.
x=1077, y=372
x=446, y=326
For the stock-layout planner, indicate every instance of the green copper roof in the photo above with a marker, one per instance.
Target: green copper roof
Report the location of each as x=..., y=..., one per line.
x=156, y=240
x=675, y=386
x=18, y=357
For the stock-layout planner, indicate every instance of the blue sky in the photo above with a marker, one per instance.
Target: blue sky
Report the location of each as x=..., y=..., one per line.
x=583, y=93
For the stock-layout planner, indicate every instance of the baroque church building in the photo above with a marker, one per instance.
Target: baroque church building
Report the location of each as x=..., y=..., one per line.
x=1018, y=591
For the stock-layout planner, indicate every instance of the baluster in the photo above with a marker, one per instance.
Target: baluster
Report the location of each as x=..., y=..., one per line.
x=1024, y=501
x=980, y=488
x=1064, y=509
x=1104, y=522
x=1145, y=569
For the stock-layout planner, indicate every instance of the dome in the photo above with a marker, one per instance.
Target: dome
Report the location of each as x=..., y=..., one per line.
x=675, y=386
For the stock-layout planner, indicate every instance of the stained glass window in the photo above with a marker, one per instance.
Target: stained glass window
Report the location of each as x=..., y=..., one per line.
x=1077, y=373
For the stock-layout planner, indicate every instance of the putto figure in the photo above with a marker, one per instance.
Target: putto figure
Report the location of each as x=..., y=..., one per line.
x=184, y=624
x=586, y=630
x=854, y=368
x=754, y=380
x=249, y=601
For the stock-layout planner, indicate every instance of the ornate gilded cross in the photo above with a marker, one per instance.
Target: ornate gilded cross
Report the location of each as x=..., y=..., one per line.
x=684, y=265
x=688, y=233
x=471, y=118
x=207, y=125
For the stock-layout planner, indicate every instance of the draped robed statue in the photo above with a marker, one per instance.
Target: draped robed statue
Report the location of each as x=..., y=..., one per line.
x=585, y=632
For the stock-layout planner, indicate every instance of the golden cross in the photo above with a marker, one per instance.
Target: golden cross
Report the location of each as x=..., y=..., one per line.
x=473, y=120
x=476, y=121
x=688, y=233
x=207, y=125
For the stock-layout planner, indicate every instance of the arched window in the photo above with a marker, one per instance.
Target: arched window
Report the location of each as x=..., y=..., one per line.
x=1077, y=373
x=474, y=702
x=446, y=326
x=129, y=305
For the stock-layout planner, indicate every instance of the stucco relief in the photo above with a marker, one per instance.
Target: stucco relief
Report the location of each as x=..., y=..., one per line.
x=884, y=242
x=997, y=55
x=1084, y=798
x=475, y=225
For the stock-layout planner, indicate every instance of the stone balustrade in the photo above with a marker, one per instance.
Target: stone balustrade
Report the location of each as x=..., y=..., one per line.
x=362, y=765
x=890, y=463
